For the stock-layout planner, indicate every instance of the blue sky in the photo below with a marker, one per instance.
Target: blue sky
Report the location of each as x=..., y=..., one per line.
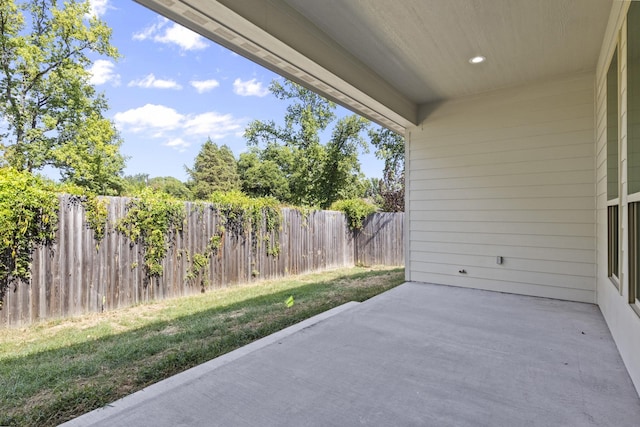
x=171, y=89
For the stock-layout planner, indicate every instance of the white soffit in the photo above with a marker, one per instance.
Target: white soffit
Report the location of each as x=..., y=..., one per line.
x=385, y=58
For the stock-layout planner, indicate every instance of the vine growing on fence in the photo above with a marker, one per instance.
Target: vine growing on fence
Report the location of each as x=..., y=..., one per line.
x=356, y=211
x=28, y=217
x=95, y=208
x=153, y=220
x=200, y=261
x=239, y=215
x=242, y=214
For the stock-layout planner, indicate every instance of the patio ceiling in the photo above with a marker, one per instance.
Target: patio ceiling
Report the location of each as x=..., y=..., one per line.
x=384, y=58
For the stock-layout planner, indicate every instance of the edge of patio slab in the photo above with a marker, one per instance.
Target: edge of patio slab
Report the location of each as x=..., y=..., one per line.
x=193, y=373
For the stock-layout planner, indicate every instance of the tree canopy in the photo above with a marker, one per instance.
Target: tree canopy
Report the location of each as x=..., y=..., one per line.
x=290, y=161
x=390, y=148
x=52, y=115
x=171, y=186
x=214, y=169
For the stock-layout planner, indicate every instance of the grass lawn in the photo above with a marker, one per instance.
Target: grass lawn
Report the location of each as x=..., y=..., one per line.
x=52, y=372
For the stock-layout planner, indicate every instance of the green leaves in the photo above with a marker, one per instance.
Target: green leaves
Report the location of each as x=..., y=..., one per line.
x=151, y=220
x=55, y=117
x=214, y=169
x=93, y=162
x=28, y=217
x=243, y=215
x=291, y=162
x=390, y=148
x=356, y=211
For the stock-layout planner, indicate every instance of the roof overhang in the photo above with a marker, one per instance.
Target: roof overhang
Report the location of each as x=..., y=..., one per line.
x=385, y=59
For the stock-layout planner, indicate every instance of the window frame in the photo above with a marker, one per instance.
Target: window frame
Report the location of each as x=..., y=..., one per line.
x=613, y=200
x=634, y=251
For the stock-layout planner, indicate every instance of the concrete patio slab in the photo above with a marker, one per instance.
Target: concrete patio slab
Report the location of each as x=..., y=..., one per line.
x=418, y=355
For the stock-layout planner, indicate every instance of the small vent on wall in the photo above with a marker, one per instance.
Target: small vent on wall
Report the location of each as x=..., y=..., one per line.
x=290, y=69
x=272, y=59
x=196, y=18
x=224, y=33
x=250, y=47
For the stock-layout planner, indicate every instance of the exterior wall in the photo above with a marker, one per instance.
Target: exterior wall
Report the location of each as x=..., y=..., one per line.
x=623, y=322
x=509, y=173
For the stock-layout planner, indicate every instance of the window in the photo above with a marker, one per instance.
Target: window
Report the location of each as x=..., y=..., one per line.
x=613, y=200
x=612, y=129
x=614, y=241
x=633, y=150
x=634, y=253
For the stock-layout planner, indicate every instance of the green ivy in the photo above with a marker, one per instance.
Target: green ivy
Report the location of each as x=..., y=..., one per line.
x=242, y=214
x=356, y=211
x=152, y=220
x=199, y=263
x=96, y=212
x=28, y=217
x=95, y=208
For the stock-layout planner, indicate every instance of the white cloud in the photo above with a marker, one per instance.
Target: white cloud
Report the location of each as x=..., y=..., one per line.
x=249, y=88
x=150, y=81
x=178, y=143
x=183, y=37
x=102, y=71
x=149, y=117
x=159, y=121
x=203, y=86
x=98, y=7
x=213, y=125
x=150, y=30
x=173, y=34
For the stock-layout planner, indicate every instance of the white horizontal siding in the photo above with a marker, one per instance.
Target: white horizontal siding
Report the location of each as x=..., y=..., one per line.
x=509, y=173
x=558, y=216
x=519, y=180
x=501, y=170
x=517, y=240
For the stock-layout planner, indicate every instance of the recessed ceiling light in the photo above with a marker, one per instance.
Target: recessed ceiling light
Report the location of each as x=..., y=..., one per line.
x=477, y=59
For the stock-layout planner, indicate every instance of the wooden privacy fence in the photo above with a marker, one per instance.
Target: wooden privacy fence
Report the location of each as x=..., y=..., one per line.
x=75, y=275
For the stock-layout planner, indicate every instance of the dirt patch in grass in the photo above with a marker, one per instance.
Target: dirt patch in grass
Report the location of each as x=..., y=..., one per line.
x=170, y=330
x=42, y=397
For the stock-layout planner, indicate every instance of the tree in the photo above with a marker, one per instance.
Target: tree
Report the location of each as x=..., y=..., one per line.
x=53, y=115
x=261, y=178
x=171, y=186
x=133, y=184
x=214, y=169
x=93, y=161
x=316, y=173
x=390, y=148
x=341, y=177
